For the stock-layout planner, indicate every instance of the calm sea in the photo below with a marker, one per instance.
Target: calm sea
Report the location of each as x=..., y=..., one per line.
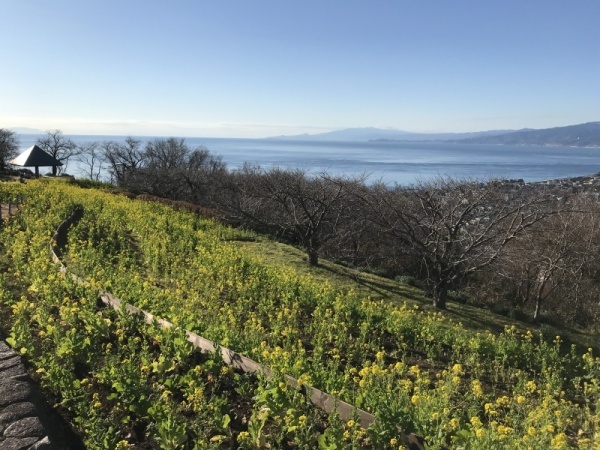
x=392, y=162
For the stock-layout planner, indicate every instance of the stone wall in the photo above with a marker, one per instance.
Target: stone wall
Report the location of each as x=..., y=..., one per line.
x=20, y=424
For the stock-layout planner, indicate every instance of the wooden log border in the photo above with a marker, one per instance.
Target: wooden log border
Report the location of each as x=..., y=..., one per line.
x=318, y=398
x=11, y=205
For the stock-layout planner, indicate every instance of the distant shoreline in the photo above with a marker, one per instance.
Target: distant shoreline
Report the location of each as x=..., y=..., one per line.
x=408, y=141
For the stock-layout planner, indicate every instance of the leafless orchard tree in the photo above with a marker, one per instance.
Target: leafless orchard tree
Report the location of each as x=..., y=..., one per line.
x=166, y=167
x=9, y=145
x=455, y=228
x=555, y=261
x=60, y=147
x=357, y=242
x=92, y=157
x=172, y=169
x=308, y=210
x=203, y=176
x=123, y=160
x=162, y=159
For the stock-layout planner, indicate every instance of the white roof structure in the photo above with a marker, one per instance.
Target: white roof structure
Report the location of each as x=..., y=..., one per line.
x=35, y=157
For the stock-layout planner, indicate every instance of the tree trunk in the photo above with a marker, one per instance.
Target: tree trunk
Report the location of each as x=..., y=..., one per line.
x=440, y=296
x=313, y=257
x=312, y=248
x=536, y=312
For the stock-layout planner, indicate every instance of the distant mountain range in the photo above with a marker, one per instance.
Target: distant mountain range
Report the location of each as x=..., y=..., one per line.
x=25, y=130
x=582, y=135
x=380, y=134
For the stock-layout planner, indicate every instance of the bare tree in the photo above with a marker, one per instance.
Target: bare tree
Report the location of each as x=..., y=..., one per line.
x=164, y=160
x=455, y=228
x=166, y=154
x=356, y=241
x=551, y=262
x=167, y=167
x=60, y=147
x=93, y=159
x=288, y=203
x=9, y=145
x=124, y=160
x=155, y=169
x=203, y=175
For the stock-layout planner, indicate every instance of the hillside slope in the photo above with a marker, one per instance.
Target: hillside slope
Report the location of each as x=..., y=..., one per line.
x=582, y=135
x=358, y=337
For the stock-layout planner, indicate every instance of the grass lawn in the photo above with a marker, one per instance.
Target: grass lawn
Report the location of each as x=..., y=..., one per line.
x=473, y=317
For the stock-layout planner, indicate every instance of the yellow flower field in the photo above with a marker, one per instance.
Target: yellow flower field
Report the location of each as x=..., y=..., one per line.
x=127, y=383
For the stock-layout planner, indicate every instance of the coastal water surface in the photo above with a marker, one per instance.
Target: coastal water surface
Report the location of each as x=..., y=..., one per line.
x=392, y=162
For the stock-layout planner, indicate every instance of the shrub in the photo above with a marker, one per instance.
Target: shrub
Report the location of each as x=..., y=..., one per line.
x=407, y=280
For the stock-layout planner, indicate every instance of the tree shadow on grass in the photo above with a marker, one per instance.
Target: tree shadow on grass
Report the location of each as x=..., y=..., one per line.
x=386, y=289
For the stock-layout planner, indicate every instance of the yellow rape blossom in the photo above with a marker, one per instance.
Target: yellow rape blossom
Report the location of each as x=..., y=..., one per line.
x=489, y=409
x=476, y=388
x=559, y=441
x=504, y=430
x=531, y=386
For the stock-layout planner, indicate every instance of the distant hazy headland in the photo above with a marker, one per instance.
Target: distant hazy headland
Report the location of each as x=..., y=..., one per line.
x=582, y=135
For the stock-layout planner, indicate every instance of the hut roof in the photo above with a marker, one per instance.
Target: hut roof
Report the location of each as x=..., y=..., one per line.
x=35, y=157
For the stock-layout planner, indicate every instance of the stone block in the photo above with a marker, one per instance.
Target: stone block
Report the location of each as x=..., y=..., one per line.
x=6, y=355
x=14, y=392
x=27, y=427
x=12, y=372
x=16, y=411
x=10, y=362
x=18, y=443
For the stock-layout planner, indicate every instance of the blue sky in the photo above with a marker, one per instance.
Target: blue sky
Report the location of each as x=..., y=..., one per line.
x=261, y=68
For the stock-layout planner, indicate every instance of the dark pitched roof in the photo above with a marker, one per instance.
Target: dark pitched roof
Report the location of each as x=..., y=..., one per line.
x=35, y=157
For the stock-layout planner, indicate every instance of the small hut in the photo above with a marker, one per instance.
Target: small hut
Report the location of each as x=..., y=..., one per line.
x=35, y=157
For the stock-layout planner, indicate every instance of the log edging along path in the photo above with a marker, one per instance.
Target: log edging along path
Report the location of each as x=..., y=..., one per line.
x=318, y=398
